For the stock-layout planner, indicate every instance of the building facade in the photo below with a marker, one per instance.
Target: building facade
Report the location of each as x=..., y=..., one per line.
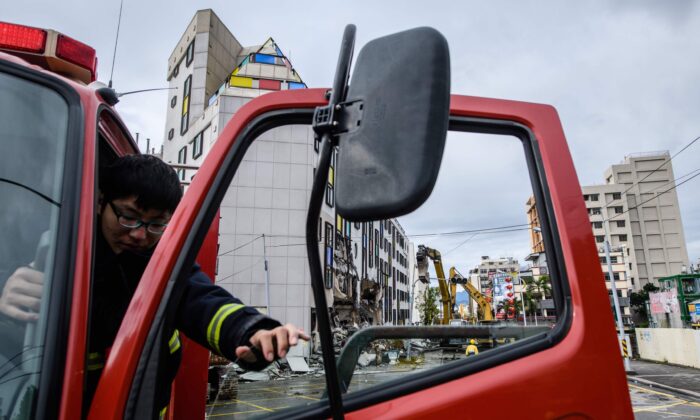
x=608, y=213
x=637, y=211
x=262, y=227
x=657, y=237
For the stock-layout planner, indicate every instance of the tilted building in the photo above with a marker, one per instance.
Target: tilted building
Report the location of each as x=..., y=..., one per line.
x=262, y=254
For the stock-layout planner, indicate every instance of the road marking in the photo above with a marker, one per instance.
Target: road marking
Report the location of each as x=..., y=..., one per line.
x=658, y=407
x=291, y=396
x=681, y=415
x=233, y=413
x=253, y=405
x=221, y=404
x=654, y=392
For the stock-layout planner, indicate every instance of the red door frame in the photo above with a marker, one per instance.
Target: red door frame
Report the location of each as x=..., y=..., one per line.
x=581, y=374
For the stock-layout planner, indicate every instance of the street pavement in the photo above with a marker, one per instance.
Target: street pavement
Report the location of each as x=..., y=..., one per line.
x=662, y=391
x=670, y=377
x=657, y=391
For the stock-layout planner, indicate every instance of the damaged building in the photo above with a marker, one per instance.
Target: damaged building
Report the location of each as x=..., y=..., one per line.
x=370, y=272
x=262, y=254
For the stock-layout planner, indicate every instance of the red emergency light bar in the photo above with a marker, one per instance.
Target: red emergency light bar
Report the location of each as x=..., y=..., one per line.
x=51, y=50
x=76, y=52
x=22, y=38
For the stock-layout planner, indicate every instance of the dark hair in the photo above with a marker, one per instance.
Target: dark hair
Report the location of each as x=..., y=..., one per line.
x=152, y=181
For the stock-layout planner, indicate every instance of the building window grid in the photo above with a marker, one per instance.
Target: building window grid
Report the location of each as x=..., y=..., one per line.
x=190, y=54
x=185, y=119
x=330, y=186
x=197, y=145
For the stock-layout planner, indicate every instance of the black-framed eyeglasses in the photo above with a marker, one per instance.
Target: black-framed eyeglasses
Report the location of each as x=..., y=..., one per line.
x=134, y=223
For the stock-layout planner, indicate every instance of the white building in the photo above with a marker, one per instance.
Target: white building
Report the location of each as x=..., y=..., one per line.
x=263, y=215
x=656, y=228
x=607, y=211
x=490, y=272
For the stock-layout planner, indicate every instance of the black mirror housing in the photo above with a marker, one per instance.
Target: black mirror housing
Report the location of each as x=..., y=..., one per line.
x=397, y=109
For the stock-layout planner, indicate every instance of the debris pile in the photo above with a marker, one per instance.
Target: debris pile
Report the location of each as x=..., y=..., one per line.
x=224, y=376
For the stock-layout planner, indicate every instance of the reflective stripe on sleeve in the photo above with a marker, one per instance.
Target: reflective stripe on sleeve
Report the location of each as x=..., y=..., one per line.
x=174, y=342
x=163, y=411
x=96, y=361
x=214, y=329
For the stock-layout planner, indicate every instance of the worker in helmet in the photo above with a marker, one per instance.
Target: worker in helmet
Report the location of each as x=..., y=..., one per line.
x=472, y=349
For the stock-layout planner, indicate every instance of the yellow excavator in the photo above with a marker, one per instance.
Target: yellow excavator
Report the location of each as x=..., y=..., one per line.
x=448, y=292
x=485, y=311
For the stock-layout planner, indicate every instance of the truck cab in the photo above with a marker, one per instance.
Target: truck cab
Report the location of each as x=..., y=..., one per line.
x=58, y=126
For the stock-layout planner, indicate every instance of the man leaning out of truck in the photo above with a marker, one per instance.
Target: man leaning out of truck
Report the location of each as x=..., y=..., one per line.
x=139, y=194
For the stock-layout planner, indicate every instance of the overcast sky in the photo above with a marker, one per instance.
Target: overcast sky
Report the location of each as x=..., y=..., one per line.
x=623, y=75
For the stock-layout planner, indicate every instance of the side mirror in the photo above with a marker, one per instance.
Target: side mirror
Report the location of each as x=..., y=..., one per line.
x=397, y=109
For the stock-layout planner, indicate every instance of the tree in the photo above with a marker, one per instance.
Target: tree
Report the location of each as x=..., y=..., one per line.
x=638, y=301
x=536, y=289
x=428, y=306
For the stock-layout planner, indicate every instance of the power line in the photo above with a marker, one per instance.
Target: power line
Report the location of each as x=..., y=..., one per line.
x=239, y=247
x=677, y=179
x=652, y=198
x=283, y=245
x=462, y=232
x=657, y=168
x=239, y=271
x=461, y=243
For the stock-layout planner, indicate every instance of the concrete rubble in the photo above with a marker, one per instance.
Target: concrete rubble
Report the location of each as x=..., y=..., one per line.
x=374, y=355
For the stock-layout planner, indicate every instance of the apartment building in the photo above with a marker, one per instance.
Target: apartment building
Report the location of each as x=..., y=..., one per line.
x=497, y=279
x=657, y=240
x=607, y=212
x=637, y=211
x=262, y=253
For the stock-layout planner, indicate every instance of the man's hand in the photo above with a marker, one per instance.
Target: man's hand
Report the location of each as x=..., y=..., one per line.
x=278, y=340
x=21, y=297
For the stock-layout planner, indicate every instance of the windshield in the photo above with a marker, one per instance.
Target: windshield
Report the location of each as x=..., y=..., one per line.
x=33, y=132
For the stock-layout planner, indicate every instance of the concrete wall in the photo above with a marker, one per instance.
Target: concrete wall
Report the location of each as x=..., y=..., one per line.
x=673, y=345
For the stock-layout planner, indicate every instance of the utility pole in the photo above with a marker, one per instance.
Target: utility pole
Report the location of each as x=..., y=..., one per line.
x=267, y=277
x=616, y=301
x=522, y=303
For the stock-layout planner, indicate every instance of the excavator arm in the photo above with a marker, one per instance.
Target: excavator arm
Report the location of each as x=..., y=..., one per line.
x=446, y=298
x=484, y=305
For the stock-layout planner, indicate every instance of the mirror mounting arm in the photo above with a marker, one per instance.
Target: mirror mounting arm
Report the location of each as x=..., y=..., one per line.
x=324, y=124
x=334, y=119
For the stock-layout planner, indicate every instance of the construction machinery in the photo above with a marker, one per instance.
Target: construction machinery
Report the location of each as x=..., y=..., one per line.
x=448, y=291
x=485, y=309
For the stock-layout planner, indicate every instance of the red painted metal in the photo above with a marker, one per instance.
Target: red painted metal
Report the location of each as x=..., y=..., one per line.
x=113, y=389
x=72, y=391
x=190, y=385
x=581, y=375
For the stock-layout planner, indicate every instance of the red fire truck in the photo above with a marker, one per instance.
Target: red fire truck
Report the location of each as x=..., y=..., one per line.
x=58, y=126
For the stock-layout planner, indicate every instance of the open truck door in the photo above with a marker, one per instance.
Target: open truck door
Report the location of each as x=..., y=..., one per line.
x=389, y=139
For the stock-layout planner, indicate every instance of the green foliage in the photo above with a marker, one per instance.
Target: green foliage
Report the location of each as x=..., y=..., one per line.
x=505, y=305
x=428, y=306
x=536, y=289
x=638, y=300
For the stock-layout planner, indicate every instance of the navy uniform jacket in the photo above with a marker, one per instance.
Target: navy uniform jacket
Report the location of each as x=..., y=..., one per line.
x=206, y=313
